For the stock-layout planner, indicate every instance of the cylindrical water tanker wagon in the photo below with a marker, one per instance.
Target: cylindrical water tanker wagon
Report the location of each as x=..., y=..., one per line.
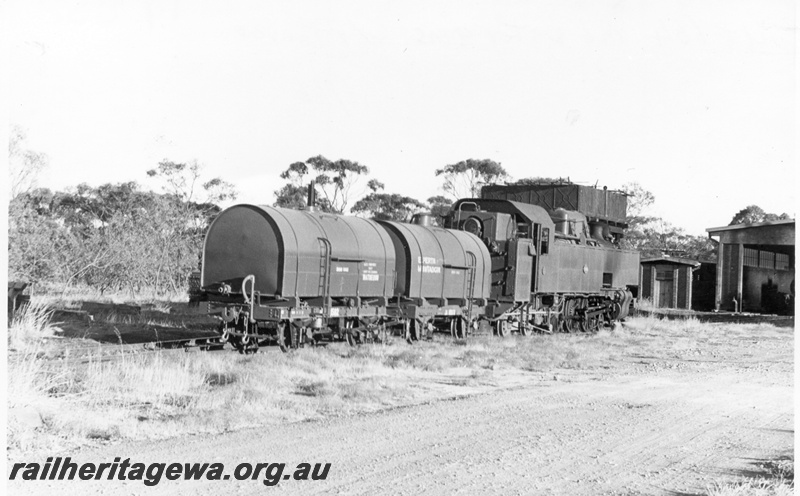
x=443, y=278
x=294, y=276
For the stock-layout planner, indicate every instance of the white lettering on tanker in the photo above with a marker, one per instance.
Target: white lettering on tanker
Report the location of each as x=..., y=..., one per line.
x=369, y=272
x=428, y=265
x=342, y=269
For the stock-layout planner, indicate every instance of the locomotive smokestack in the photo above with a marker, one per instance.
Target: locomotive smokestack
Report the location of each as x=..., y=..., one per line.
x=311, y=204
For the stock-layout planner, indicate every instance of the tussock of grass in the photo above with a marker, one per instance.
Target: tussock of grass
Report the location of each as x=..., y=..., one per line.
x=759, y=487
x=777, y=481
x=30, y=325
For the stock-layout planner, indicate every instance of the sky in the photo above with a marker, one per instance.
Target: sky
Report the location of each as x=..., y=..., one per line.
x=694, y=100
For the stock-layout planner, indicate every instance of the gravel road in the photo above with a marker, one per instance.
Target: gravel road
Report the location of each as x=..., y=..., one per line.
x=648, y=428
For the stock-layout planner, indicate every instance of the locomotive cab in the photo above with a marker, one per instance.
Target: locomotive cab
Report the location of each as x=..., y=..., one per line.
x=515, y=239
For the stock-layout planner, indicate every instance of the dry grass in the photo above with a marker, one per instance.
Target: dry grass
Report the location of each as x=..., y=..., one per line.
x=58, y=405
x=777, y=481
x=70, y=297
x=30, y=325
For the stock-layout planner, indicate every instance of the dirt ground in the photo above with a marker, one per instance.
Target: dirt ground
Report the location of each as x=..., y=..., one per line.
x=664, y=424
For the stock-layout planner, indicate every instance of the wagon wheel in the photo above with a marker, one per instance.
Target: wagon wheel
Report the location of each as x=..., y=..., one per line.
x=301, y=335
x=503, y=328
x=236, y=343
x=571, y=319
x=295, y=336
x=417, y=329
x=381, y=335
x=461, y=328
x=407, y=330
x=309, y=337
x=524, y=329
x=281, y=332
x=350, y=335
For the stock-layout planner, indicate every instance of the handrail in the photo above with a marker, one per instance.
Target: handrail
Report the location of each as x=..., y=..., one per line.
x=252, y=298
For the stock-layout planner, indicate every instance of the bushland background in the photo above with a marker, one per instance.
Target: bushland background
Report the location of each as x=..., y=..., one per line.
x=144, y=238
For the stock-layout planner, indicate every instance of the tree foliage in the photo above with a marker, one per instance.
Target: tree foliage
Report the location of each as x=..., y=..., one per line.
x=24, y=165
x=334, y=183
x=658, y=237
x=465, y=179
x=639, y=200
x=753, y=214
x=115, y=236
x=386, y=206
x=653, y=236
x=542, y=180
x=439, y=207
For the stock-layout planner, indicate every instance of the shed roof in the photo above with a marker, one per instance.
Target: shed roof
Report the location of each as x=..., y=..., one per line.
x=672, y=260
x=749, y=226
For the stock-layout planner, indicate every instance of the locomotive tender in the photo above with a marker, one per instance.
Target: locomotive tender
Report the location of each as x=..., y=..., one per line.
x=293, y=277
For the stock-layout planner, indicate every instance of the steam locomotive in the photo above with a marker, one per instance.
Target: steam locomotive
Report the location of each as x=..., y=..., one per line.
x=513, y=261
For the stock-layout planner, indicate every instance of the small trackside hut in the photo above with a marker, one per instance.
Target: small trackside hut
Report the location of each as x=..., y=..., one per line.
x=667, y=281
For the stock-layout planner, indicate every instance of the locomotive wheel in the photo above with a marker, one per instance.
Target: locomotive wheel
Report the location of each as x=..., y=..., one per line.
x=571, y=320
x=614, y=313
x=524, y=329
x=590, y=324
x=595, y=323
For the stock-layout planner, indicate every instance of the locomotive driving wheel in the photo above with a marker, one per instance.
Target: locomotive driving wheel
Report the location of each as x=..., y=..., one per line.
x=591, y=323
x=613, y=313
x=571, y=315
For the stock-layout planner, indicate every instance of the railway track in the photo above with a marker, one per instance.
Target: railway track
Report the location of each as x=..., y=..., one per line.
x=102, y=352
